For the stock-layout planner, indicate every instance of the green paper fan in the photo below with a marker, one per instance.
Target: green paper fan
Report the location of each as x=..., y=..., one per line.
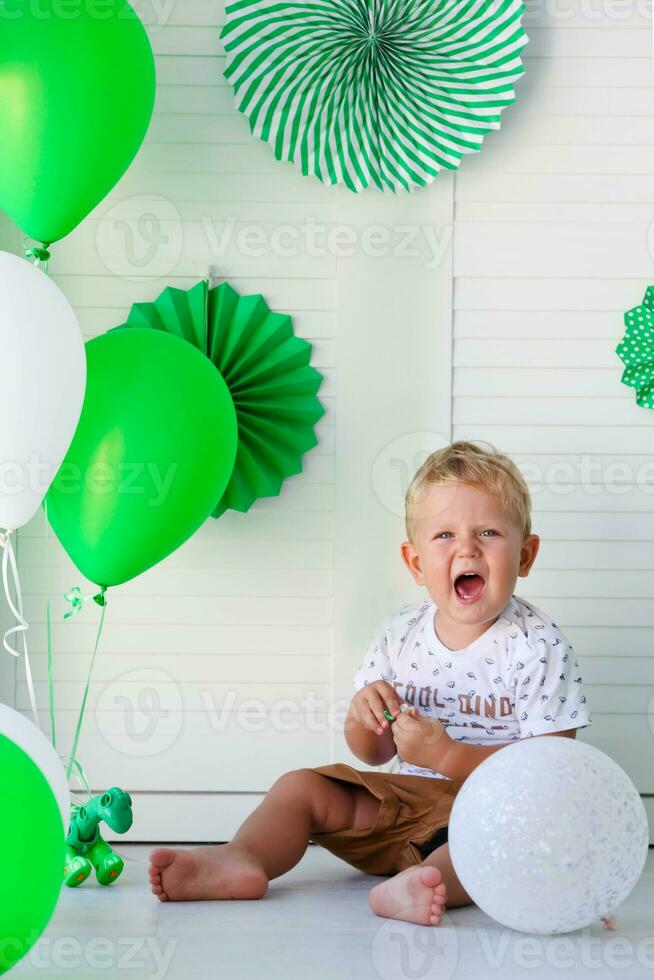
x=376, y=92
x=636, y=350
x=266, y=368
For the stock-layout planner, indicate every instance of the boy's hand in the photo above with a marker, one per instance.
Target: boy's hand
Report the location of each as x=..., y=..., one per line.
x=369, y=703
x=420, y=741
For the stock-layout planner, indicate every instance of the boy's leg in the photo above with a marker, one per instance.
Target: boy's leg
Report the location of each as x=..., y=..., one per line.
x=420, y=894
x=270, y=841
x=299, y=804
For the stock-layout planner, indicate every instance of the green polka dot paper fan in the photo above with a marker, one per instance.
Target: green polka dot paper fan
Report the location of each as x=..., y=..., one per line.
x=376, y=92
x=636, y=350
x=268, y=373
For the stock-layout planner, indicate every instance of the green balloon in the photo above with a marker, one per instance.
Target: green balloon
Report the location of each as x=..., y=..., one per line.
x=77, y=84
x=153, y=451
x=32, y=836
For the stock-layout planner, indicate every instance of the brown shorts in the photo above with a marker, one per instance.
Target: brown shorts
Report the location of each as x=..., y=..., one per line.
x=411, y=821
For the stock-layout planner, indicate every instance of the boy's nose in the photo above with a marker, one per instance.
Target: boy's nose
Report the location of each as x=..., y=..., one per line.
x=468, y=548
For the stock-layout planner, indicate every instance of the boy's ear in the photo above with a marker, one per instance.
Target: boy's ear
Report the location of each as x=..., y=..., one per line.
x=528, y=554
x=411, y=559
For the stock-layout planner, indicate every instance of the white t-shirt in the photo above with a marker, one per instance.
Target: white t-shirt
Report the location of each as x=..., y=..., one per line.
x=520, y=678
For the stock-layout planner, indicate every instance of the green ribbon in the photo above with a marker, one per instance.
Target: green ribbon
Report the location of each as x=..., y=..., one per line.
x=101, y=601
x=77, y=600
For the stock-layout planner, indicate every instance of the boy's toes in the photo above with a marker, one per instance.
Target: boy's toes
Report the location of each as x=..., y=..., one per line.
x=437, y=905
x=160, y=858
x=430, y=877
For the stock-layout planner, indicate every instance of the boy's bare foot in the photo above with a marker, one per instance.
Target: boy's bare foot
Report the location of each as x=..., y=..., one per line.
x=217, y=872
x=414, y=895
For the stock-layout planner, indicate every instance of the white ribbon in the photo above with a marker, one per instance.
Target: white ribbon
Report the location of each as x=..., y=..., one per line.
x=9, y=562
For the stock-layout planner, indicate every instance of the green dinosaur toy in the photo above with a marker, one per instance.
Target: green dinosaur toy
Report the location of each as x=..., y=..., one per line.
x=85, y=848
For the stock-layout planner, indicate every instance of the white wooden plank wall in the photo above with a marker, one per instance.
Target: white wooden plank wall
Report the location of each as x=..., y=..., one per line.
x=552, y=243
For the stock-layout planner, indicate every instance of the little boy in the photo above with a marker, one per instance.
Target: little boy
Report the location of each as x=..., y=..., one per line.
x=444, y=684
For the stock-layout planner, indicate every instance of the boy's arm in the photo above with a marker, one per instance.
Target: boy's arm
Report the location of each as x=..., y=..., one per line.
x=460, y=759
x=373, y=749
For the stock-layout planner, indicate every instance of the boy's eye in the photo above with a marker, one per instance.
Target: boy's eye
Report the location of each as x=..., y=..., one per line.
x=489, y=532
x=444, y=534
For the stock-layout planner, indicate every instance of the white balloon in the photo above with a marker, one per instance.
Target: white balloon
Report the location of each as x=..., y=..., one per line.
x=42, y=390
x=33, y=742
x=548, y=835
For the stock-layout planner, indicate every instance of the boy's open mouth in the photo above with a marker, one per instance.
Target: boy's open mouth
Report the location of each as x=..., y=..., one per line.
x=469, y=587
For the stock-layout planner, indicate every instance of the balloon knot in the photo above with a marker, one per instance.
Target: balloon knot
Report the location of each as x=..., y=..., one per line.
x=77, y=600
x=39, y=253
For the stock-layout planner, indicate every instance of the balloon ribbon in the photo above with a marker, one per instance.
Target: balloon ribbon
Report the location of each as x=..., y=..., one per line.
x=9, y=565
x=83, y=779
x=76, y=600
x=48, y=626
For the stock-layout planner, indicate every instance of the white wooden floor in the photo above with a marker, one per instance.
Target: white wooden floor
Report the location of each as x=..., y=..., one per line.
x=315, y=922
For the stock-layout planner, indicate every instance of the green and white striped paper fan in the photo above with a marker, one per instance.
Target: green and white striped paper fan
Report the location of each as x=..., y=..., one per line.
x=373, y=91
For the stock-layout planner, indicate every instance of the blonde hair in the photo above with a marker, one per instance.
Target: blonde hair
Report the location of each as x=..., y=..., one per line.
x=468, y=463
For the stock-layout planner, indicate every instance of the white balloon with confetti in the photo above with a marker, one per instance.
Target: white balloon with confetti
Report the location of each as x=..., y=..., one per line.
x=548, y=835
